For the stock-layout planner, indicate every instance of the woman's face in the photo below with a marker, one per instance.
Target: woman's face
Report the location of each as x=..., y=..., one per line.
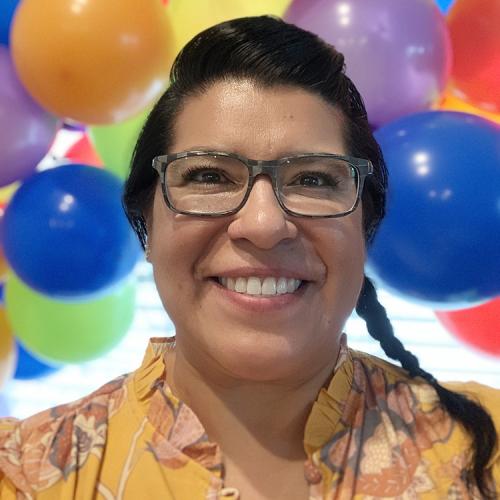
x=244, y=336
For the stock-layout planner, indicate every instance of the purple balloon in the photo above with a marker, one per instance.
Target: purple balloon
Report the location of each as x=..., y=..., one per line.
x=397, y=52
x=27, y=131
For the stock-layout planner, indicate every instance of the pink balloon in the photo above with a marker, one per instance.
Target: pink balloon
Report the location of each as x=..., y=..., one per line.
x=27, y=131
x=397, y=52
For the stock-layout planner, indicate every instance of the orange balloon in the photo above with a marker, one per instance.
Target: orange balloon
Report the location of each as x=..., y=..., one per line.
x=93, y=61
x=474, y=29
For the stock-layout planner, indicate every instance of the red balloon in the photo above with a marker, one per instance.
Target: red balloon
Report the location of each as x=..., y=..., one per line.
x=478, y=326
x=82, y=151
x=474, y=30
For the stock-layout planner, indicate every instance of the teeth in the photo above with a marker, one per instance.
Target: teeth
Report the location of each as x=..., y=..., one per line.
x=241, y=285
x=291, y=285
x=256, y=286
x=253, y=286
x=269, y=286
x=281, y=286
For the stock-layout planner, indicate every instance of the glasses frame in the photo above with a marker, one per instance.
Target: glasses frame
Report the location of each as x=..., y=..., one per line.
x=257, y=167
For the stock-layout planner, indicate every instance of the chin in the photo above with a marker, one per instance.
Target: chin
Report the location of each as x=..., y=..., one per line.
x=265, y=359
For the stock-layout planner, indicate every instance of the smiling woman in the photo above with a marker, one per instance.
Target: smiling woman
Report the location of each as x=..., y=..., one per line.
x=255, y=187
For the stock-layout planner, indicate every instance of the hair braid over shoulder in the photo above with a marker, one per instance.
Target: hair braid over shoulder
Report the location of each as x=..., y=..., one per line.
x=474, y=418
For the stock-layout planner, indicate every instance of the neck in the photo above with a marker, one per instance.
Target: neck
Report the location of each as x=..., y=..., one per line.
x=240, y=415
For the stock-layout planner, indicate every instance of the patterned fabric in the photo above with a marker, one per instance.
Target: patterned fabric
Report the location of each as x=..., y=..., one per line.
x=373, y=433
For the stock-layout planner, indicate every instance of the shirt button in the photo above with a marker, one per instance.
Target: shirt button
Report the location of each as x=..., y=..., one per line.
x=312, y=474
x=229, y=493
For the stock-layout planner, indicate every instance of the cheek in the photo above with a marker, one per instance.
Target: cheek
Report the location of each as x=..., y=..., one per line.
x=178, y=244
x=341, y=246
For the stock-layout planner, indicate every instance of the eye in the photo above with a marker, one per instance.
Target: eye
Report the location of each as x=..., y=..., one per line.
x=205, y=175
x=314, y=179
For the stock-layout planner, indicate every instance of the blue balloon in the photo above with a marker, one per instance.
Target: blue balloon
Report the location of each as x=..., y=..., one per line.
x=439, y=242
x=444, y=5
x=65, y=233
x=7, y=9
x=29, y=366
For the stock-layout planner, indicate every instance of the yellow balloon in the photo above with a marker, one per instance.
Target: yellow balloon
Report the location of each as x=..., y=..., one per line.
x=4, y=266
x=452, y=103
x=7, y=349
x=7, y=192
x=189, y=17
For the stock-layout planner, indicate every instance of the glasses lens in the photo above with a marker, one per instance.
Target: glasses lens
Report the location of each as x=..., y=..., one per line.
x=206, y=184
x=317, y=185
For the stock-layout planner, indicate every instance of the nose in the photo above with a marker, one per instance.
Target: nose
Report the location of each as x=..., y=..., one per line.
x=261, y=220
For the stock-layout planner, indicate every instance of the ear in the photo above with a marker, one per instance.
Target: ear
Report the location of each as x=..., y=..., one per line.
x=147, y=223
x=147, y=213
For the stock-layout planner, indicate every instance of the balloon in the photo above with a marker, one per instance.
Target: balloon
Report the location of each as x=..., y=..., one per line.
x=63, y=332
x=189, y=17
x=65, y=232
x=7, y=9
x=7, y=349
x=30, y=367
x=444, y=5
x=452, y=103
x=27, y=366
x=115, y=143
x=397, y=53
x=478, y=326
x=93, y=61
x=439, y=240
x=7, y=192
x=73, y=126
x=4, y=266
x=82, y=151
x=475, y=38
x=27, y=131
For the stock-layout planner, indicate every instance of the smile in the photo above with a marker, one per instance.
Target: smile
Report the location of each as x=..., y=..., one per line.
x=267, y=286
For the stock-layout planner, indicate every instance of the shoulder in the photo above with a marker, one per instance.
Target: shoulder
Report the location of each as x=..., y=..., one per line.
x=488, y=397
x=421, y=398
x=36, y=452
x=372, y=366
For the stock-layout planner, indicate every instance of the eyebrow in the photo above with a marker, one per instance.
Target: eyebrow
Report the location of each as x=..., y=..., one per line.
x=283, y=154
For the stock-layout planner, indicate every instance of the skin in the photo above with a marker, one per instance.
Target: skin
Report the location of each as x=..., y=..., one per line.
x=251, y=376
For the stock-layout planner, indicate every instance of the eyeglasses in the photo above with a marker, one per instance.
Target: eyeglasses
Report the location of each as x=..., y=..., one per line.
x=214, y=183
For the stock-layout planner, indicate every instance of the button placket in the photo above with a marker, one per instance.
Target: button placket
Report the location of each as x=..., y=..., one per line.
x=229, y=493
x=312, y=473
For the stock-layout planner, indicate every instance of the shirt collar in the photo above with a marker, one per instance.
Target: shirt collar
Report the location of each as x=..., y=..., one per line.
x=151, y=390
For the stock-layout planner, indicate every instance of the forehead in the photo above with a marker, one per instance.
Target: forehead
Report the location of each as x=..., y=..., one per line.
x=260, y=123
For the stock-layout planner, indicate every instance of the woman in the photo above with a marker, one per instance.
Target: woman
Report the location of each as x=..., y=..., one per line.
x=266, y=187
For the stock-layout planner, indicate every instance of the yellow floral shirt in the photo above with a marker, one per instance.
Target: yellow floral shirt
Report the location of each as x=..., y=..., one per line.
x=374, y=433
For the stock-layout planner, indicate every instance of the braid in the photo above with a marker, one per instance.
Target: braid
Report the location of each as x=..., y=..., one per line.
x=474, y=418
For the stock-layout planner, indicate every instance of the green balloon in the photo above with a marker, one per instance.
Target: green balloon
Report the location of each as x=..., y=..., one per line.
x=69, y=332
x=115, y=143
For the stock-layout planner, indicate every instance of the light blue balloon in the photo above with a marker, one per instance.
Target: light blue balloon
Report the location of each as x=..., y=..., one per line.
x=444, y=5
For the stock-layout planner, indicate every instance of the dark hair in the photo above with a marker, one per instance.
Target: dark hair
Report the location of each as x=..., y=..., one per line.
x=271, y=52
